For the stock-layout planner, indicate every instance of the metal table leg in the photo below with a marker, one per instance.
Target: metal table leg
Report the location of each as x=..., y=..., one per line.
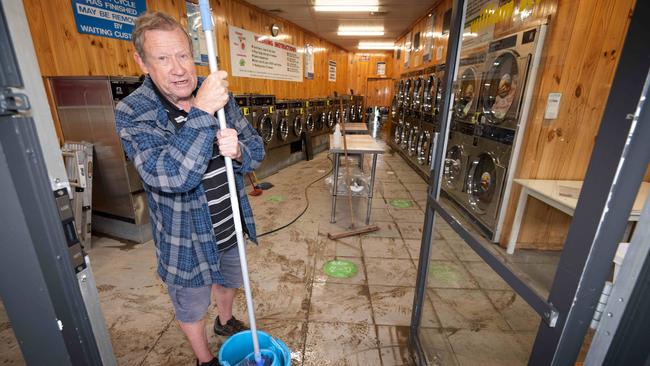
x=372, y=187
x=335, y=186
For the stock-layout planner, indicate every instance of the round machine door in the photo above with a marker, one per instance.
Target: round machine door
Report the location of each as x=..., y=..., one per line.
x=424, y=145
x=330, y=119
x=482, y=182
x=407, y=93
x=310, y=123
x=397, y=137
x=283, y=129
x=500, y=88
x=429, y=94
x=359, y=112
x=297, y=126
x=394, y=107
x=417, y=93
x=413, y=140
x=320, y=121
x=466, y=93
x=405, y=136
x=337, y=116
x=400, y=94
x=345, y=114
x=265, y=128
x=453, y=171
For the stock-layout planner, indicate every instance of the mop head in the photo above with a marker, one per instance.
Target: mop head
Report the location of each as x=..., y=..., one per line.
x=267, y=360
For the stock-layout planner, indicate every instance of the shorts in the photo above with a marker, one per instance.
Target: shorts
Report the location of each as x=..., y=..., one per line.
x=192, y=303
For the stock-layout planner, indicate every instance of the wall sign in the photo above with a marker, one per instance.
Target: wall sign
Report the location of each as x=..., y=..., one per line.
x=381, y=68
x=429, y=39
x=199, y=44
x=331, y=73
x=309, y=62
x=260, y=56
x=107, y=18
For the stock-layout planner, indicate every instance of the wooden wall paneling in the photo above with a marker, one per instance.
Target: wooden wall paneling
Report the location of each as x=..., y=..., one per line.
x=582, y=67
x=379, y=92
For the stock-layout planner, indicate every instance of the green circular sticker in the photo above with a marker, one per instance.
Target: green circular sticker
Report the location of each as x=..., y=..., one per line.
x=340, y=268
x=401, y=203
x=275, y=198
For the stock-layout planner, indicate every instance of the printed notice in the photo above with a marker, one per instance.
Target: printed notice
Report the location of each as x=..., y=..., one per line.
x=107, y=18
x=331, y=71
x=262, y=57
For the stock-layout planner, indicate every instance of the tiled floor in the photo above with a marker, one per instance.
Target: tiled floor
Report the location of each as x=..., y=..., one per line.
x=471, y=317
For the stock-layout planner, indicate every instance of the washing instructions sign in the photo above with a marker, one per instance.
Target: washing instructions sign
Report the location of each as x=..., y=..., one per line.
x=107, y=18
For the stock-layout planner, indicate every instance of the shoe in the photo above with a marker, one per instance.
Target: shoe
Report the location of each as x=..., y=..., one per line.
x=231, y=327
x=214, y=362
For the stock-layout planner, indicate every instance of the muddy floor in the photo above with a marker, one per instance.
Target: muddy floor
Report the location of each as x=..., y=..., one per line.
x=471, y=317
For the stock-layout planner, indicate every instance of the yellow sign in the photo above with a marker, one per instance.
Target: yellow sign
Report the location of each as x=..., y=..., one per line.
x=246, y=111
x=270, y=109
x=492, y=14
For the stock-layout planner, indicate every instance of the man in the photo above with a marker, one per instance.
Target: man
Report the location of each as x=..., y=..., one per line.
x=169, y=130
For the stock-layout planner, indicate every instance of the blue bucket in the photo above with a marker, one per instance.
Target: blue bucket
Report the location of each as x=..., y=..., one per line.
x=240, y=346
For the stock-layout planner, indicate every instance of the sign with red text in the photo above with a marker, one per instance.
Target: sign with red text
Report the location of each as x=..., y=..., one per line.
x=262, y=57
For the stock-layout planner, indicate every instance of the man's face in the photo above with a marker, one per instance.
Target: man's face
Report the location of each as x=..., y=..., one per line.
x=168, y=60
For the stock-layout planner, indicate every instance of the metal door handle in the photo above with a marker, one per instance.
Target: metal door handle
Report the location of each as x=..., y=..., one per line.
x=11, y=102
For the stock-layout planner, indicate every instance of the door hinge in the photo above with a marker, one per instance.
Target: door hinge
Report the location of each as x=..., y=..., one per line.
x=11, y=102
x=602, y=304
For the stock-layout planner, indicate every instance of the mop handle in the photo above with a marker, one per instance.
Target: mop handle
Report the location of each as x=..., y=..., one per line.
x=206, y=20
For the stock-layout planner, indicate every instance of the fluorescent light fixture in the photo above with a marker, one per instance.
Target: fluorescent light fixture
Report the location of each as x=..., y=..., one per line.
x=376, y=45
x=346, y=5
x=360, y=31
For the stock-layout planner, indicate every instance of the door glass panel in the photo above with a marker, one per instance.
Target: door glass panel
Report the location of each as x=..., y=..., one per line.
x=525, y=108
x=10, y=353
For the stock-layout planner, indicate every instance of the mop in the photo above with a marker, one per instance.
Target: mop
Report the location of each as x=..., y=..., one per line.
x=353, y=231
x=206, y=20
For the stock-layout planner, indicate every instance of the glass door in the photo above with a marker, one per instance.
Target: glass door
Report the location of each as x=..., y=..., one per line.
x=518, y=193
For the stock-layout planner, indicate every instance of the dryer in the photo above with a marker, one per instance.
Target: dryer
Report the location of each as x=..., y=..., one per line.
x=467, y=87
x=486, y=174
x=263, y=115
x=460, y=150
x=357, y=116
x=320, y=110
x=427, y=127
x=507, y=69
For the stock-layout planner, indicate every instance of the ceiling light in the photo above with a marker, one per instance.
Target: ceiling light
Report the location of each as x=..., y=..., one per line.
x=360, y=31
x=376, y=45
x=346, y=5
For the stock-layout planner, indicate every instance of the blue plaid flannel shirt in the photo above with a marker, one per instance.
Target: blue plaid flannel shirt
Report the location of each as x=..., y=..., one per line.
x=171, y=164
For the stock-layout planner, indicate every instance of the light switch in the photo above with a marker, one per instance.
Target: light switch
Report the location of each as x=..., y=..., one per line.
x=552, y=106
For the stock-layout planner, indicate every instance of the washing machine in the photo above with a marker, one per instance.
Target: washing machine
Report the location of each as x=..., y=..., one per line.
x=467, y=87
x=320, y=111
x=439, y=71
x=263, y=115
x=244, y=104
x=357, y=116
x=319, y=136
x=309, y=117
x=296, y=120
x=507, y=69
x=332, y=116
x=283, y=122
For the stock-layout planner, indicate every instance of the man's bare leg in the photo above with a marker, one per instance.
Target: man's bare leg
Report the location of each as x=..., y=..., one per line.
x=195, y=333
x=224, y=298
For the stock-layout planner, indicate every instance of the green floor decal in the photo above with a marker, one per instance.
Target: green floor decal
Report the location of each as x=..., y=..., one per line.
x=401, y=203
x=340, y=268
x=275, y=198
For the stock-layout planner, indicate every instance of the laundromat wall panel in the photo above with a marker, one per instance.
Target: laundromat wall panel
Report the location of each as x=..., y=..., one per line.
x=579, y=59
x=363, y=66
x=62, y=51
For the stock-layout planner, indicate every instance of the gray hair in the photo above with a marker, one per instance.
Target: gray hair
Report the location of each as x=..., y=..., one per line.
x=154, y=21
